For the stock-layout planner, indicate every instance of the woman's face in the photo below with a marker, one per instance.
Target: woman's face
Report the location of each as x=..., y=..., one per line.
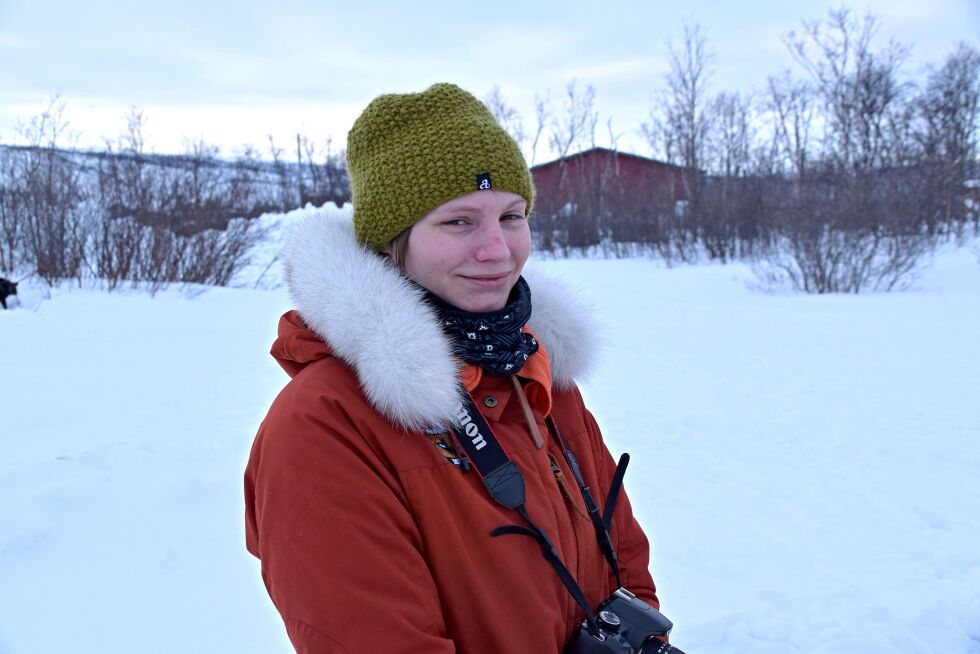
x=470, y=250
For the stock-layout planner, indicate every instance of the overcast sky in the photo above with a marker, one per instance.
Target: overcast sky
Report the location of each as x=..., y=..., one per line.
x=236, y=72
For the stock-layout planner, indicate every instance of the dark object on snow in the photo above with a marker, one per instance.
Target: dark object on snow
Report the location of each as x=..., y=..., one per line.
x=7, y=288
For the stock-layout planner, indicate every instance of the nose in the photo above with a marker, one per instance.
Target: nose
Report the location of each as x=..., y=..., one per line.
x=491, y=243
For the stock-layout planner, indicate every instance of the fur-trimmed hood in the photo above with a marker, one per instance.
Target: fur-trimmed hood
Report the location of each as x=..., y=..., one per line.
x=367, y=312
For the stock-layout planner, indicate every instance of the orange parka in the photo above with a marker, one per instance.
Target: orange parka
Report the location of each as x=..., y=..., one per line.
x=371, y=537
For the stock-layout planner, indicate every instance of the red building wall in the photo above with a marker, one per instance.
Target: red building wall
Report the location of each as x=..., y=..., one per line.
x=639, y=176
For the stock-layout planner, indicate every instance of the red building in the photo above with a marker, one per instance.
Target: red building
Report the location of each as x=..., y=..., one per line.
x=604, y=195
x=618, y=174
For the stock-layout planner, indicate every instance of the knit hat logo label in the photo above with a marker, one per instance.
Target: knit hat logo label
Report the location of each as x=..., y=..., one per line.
x=483, y=182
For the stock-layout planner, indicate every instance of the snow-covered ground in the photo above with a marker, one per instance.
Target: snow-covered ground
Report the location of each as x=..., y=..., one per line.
x=805, y=466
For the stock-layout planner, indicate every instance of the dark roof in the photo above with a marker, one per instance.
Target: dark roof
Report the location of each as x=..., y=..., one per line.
x=597, y=149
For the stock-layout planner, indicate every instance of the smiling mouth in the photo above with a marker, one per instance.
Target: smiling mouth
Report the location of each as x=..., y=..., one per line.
x=488, y=280
x=491, y=276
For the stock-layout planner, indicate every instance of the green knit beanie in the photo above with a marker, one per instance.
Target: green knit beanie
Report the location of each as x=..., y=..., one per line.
x=409, y=153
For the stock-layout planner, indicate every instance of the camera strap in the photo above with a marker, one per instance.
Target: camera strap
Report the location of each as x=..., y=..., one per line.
x=504, y=483
x=600, y=523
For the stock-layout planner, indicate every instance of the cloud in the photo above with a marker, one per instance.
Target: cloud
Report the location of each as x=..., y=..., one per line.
x=616, y=70
x=186, y=61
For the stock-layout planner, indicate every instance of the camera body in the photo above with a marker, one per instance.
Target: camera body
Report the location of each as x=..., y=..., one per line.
x=626, y=625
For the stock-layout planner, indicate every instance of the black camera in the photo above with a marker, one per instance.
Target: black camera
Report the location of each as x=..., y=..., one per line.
x=626, y=625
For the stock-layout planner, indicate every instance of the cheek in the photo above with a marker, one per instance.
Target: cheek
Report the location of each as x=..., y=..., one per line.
x=427, y=257
x=520, y=244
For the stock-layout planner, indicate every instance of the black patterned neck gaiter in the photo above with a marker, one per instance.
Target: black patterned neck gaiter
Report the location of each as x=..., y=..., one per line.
x=494, y=340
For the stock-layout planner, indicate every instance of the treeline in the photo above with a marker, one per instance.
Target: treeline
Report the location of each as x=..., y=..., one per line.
x=838, y=176
x=123, y=215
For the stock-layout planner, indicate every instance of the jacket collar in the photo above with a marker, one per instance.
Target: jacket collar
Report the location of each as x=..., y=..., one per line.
x=366, y=311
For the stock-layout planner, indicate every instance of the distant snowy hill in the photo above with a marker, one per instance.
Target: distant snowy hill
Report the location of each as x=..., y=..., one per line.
x=807, y=467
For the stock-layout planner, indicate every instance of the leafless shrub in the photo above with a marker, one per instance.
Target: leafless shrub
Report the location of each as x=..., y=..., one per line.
x=121, y=215
x=46, y=200
x=845, y=234
x=127, y=189
x=182, y=224
x=838, y=181
x=854, y=216
x=828, y=260
x=213, y=257
x=11, y=212
x=321, y=173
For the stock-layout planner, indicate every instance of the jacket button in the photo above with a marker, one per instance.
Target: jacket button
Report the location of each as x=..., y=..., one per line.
x=490, y=401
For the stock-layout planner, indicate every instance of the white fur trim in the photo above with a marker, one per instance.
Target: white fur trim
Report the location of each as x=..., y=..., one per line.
x=565, y=324
x=375, y=321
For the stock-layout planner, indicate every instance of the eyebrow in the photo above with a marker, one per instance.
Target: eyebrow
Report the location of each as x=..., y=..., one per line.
x=454, y=207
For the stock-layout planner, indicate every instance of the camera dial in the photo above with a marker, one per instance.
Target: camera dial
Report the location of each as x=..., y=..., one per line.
x=609, y=621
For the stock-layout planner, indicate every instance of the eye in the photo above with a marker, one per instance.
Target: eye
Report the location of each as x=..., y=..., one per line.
x=512, y=216
x=453, y=222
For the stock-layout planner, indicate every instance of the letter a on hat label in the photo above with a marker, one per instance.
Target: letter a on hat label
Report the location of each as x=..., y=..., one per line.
x=483, y=182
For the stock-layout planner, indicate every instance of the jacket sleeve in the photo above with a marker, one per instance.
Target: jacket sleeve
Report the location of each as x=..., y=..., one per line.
x=632, y=547
x=341, y=554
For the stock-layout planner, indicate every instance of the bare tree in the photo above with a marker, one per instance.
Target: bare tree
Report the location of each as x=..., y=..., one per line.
x=542, y=118
x=575, y=122
x=859, y=87
x=678, y=125
x=949, y=112
x=613, y=135
x=728, y=215
x=729, y=142
x=507, y=116
x=574, y=222
x=790, y=104
x=851, y=219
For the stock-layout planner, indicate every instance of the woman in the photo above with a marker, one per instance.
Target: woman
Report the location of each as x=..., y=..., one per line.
x=374, y=530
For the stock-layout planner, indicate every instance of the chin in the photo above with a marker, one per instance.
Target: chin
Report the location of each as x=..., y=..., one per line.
x=481, y=306
x=480, y=303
